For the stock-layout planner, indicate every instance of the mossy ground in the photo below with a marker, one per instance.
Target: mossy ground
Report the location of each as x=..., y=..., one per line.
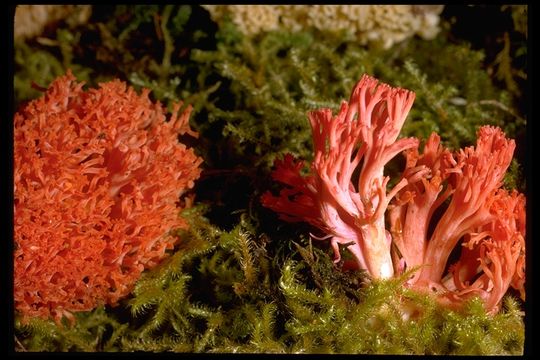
x=240, y=280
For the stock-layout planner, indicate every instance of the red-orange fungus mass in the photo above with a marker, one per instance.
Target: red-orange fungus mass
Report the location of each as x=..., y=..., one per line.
x=99, y=177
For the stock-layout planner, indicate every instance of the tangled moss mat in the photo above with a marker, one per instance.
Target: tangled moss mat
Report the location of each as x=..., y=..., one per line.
x=241, y=280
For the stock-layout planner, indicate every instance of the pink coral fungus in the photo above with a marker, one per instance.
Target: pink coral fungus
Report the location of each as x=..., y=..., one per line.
x=489, y=223
x=98, y=179
x=465, y=187
x=364, y=134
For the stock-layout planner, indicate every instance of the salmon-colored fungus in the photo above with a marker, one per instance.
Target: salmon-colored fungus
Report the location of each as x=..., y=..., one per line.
x=98, y=180
x=443, y=199
x=487, y=222
x=363, y=134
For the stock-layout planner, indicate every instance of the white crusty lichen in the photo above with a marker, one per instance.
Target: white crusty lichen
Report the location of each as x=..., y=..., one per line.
x=252, y=19
x=31, y=20
x=381, y=24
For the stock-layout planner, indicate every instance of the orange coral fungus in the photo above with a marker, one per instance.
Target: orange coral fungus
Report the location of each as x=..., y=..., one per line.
x=98, y=179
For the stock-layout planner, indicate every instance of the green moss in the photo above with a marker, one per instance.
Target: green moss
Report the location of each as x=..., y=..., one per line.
x=225, y=292
x=240, y=280
x=36, y=66
x=97, y=330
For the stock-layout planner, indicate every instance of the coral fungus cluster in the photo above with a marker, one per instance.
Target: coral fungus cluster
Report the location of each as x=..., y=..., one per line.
x=384, y=24
x=443, y=199
x=98, y=179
